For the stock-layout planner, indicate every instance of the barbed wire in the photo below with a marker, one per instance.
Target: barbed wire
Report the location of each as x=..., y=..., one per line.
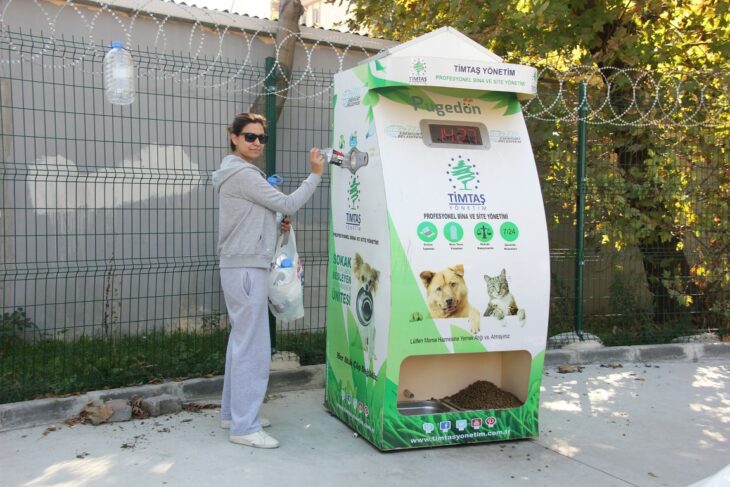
x=203, y=23
x=632, y=96
x=615, y=96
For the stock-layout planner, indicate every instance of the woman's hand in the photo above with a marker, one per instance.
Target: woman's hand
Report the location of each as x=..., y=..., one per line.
x=285, y=225
x=316, y=161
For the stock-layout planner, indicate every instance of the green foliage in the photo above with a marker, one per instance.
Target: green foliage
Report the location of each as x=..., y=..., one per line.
x=664, y=189
x=309, y=346
x=57, y=367
x=615, y=331
x=12, y=326
x=211, y=323
x=627, y=319
x=625, y=305
x=648, y=34
x=561, y=306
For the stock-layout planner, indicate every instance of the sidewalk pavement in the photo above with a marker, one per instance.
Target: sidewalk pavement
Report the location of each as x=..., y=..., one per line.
x=661, y=419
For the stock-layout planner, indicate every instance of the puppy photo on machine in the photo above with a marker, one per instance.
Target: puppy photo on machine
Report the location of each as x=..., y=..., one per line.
x=447, y=295
x=501, y=301
x=366, y=278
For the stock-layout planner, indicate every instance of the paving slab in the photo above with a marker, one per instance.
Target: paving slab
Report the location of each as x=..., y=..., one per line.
x=642, y=424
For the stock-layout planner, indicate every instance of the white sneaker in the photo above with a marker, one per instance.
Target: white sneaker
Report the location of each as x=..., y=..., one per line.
x=226, y=423
x=260, y=439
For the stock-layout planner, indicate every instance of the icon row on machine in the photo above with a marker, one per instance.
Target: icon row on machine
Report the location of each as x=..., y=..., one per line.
x=454, y=232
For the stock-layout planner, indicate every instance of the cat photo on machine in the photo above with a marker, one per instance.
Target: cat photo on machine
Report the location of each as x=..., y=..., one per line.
x=501, y=301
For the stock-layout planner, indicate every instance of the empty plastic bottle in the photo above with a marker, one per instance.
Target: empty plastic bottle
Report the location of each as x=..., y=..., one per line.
x=119, y=77
x=276, y=180
x=281, y=258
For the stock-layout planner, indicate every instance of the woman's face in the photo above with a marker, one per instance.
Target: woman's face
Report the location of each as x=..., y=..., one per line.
x=250, y=151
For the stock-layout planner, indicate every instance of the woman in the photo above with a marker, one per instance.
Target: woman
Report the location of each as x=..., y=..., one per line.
x=246, y=243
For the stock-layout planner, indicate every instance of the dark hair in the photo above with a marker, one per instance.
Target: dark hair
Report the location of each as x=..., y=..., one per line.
x=241, y=120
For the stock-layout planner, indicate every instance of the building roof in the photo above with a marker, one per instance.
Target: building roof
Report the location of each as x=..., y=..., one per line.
x=181, y=11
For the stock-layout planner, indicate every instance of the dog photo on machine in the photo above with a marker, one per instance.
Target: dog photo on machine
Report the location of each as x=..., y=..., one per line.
x=447, y=295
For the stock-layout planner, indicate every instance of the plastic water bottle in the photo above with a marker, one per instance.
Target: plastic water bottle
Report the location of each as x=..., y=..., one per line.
x=119, y=75
x=276, y=180
x=281, y=259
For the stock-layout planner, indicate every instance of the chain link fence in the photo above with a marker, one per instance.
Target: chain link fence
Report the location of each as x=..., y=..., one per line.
x=656, y=257
x=109, y=274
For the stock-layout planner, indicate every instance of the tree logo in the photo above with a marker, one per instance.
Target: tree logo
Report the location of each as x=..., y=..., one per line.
x=418, y=71
x=419, y=67
x=353, y=193
x=462, y=173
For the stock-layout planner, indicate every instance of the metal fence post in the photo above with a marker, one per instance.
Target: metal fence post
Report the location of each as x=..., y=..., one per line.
x=6, y=217
x=270, y=92
x=580, y=210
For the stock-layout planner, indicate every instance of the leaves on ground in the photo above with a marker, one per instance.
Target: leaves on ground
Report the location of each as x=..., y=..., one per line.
x=569, y=369
x=612, y=365
x=137, y=411
x=197, y=407
x=93, y=413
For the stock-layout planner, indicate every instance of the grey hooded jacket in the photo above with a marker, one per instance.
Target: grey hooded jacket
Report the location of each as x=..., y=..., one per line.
x=248, y=206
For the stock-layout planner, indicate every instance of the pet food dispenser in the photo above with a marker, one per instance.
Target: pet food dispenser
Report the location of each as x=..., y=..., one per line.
x=438, y=276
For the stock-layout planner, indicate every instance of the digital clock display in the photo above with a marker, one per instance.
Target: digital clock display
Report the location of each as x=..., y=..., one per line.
x=455, y=134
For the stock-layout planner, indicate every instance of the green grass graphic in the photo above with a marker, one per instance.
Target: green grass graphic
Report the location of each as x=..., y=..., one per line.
x=400, y=431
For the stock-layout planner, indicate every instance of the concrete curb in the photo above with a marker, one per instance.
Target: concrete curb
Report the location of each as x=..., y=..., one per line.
x=44, y=411
x=639, y=353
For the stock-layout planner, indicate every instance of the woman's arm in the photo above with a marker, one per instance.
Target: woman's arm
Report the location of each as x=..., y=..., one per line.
x=258, y=190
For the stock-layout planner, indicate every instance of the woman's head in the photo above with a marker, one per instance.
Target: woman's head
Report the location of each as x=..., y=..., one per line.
x=247, y=135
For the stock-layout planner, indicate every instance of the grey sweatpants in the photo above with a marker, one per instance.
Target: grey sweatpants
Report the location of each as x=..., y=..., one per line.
x=248, y=356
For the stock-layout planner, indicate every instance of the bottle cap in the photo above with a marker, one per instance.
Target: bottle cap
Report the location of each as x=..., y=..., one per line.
x=286, y=263
x=117, y=44
x=275, y=179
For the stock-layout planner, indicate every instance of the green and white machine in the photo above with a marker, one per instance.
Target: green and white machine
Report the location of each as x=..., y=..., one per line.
x=439, y=272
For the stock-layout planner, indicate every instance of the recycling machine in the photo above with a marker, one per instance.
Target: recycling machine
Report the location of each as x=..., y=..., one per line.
x=439, y=272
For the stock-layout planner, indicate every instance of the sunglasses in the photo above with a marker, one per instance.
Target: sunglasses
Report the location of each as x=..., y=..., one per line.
x=250, y=137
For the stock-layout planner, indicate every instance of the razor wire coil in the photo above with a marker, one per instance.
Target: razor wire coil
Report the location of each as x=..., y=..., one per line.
x=616, y=96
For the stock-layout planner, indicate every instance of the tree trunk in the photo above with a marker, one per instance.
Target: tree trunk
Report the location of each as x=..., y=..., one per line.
x=664, y=262
x=286, y=39
x=662, y=259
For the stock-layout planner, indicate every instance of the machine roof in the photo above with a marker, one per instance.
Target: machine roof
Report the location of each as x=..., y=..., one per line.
x=444, y=42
